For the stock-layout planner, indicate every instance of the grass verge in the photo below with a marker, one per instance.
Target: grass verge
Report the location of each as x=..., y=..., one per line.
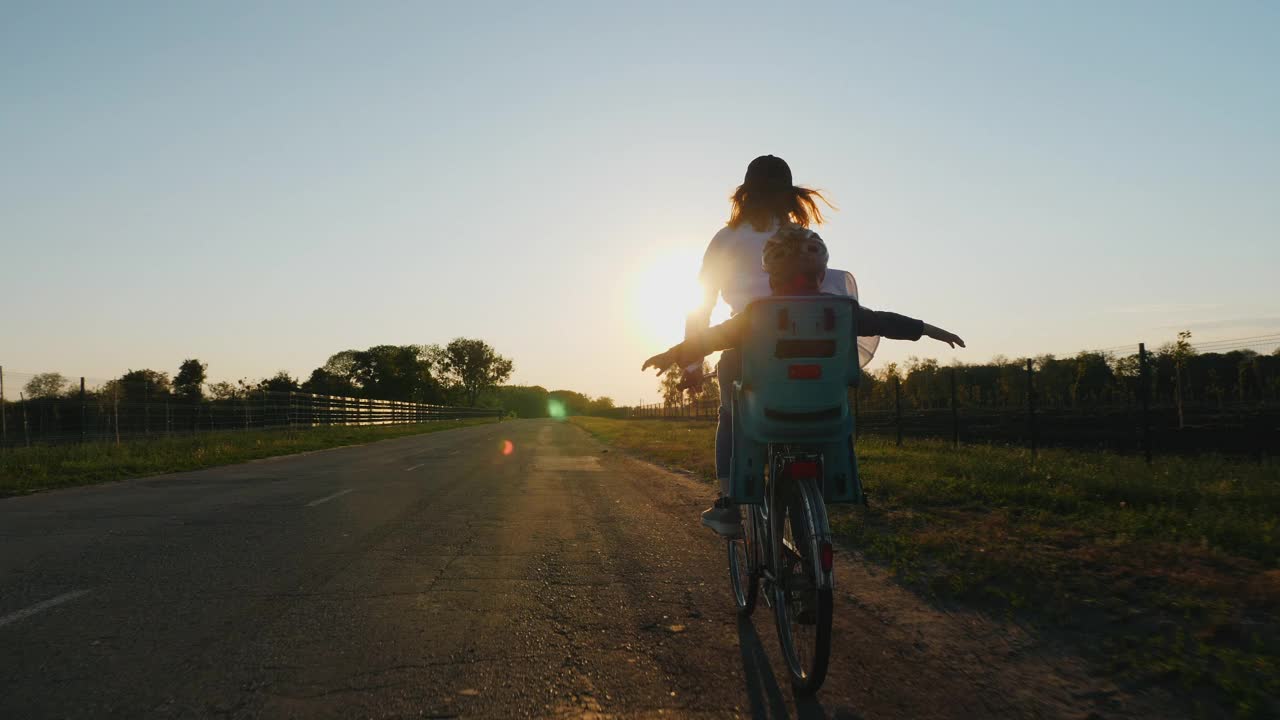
x=26, y=470
x=1168, y=574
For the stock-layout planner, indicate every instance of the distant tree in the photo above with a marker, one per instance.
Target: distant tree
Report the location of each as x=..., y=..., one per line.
x=1181, y=351
x=137, y=385
x=526, y=401
x=888, y=374
x=46, y=385
x=189, y=383
x=602, y=405
x=1093, y=377
x=280, y=382
x=1006, y=376
x=570, y=402
x=385, y=372
x=669, y=386
x=472, y=366
x=324, y=382
x=396, y=372
x=1054, y=380
x=922, y=384
x=223, y=390
x=110, y=391
x=342, y=365
x=1127, y=371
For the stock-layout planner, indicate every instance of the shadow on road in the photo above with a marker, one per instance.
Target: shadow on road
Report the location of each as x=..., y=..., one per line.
x=766, y=697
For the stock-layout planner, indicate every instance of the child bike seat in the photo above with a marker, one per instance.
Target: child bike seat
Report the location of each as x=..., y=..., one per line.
x=799, y=358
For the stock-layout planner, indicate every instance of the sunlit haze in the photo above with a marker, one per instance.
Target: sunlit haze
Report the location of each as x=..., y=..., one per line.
x=260, y=185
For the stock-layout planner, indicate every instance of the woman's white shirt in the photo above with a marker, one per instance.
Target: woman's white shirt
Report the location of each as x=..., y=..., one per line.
x=731, y=267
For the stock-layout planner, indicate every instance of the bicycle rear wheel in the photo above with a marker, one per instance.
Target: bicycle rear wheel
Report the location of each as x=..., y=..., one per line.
x=744, y=563
x=802, y=587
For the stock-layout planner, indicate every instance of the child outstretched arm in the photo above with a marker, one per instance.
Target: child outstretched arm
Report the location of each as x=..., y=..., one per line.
x=730, y=334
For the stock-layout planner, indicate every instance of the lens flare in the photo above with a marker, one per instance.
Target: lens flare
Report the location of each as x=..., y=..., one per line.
x=555, y=408
x=508, y=447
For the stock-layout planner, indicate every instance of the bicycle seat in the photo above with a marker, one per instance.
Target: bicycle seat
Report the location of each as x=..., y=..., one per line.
x=799, y=358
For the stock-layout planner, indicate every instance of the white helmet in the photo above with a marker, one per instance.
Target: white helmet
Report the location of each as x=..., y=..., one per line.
x=794, y=250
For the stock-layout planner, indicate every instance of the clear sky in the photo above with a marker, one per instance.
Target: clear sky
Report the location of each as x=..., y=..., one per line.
x=262, y=184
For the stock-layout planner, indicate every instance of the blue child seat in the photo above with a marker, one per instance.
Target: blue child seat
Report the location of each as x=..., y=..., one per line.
x=799, y=357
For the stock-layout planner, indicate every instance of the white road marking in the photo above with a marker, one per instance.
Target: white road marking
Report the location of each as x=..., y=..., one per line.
x=327, y=498
x=415, y=467
x=40, y=607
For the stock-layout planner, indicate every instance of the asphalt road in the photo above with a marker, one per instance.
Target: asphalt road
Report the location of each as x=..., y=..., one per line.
x=436, y=576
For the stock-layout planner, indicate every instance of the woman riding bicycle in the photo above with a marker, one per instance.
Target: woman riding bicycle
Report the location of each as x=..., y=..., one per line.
x=737, y=268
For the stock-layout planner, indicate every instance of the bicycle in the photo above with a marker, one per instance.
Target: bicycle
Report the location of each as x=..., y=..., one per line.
x=792, y=455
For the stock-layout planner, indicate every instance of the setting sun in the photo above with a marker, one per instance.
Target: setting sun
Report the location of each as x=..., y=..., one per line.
x=664, y=291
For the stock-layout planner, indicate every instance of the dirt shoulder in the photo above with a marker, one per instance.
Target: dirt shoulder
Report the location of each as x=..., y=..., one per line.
x=1044, y=584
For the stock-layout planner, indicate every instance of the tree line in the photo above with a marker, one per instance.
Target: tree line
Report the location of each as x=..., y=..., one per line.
x=466, y=372
x=1176, y=374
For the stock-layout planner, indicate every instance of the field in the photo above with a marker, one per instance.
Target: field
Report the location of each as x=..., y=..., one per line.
x=24, y=470
x=1165, y=574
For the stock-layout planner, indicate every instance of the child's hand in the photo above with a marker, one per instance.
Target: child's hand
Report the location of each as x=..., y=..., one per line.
x=662, y=361
x=938, y=333
x=691, y=378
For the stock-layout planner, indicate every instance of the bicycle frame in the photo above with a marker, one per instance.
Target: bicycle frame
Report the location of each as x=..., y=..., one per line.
x=819, y=552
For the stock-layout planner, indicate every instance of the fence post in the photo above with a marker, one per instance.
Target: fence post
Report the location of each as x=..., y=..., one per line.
x=168, y=420
x=26, y=431
x=4, y=423
x=83, y=413
x=1031, y=408
x=146, y=407
x=955, y=413
x=115, y=411
x=897, y=406
x=1144, y=392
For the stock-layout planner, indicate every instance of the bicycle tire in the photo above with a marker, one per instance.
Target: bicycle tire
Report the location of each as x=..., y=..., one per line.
x=744, y=564
x=803, y=597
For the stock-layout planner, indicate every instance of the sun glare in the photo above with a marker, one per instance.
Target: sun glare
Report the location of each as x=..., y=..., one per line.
x=664, y=291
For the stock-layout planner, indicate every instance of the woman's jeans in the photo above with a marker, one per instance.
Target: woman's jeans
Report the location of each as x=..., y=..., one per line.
x=729, y=371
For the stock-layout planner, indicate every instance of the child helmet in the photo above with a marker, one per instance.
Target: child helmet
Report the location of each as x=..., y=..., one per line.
x=793, y=250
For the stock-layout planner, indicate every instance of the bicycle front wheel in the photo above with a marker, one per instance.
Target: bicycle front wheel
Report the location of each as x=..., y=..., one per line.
x=744, y=563
x=802, y=587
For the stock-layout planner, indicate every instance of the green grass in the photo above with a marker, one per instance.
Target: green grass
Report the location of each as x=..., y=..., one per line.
x=1168, y=573
x=25, y=470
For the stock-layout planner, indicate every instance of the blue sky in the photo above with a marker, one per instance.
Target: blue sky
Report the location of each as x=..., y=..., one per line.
x=260, y=185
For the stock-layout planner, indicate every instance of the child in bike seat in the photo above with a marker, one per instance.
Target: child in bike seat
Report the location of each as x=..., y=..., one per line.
x=795, y=259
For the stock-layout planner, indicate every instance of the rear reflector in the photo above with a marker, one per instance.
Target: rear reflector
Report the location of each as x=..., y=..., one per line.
x=804, y=372
x=827, y=557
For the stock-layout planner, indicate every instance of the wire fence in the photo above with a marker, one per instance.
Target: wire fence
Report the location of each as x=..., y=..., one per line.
x=47, y=408
x=1221, y=397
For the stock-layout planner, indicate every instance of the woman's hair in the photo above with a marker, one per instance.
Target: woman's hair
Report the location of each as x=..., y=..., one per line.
x=762, y=206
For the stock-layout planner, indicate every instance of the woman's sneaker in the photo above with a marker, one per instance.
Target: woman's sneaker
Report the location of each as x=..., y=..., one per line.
x=724, y=518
